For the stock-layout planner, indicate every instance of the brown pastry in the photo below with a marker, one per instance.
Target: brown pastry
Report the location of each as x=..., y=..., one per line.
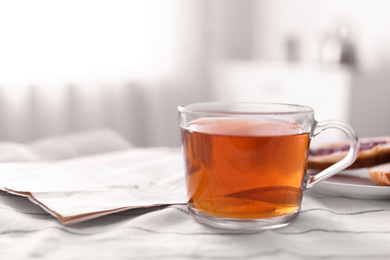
x=380, y=174
x=373, y=151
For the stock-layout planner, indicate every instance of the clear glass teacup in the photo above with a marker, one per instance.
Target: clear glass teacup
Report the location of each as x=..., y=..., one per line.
x=246, y=162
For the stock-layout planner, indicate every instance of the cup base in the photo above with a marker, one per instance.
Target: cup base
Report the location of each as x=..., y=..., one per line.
x=242, y=224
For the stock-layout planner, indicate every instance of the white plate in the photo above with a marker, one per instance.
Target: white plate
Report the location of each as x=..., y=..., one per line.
x=352, y=184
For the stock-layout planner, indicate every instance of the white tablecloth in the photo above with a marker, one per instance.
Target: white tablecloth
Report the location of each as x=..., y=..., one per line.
x=327, y=228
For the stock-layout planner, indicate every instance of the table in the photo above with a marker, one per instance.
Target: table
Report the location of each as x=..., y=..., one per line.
x=329, y=227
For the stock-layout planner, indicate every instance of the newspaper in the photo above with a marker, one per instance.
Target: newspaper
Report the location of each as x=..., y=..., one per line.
x=94, y=183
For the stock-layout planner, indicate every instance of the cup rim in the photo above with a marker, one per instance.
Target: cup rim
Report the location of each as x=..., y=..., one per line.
x=223, y=108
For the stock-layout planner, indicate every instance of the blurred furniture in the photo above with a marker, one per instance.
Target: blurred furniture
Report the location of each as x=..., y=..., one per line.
x=327, y=90
x=370, y=103
x=360, y=99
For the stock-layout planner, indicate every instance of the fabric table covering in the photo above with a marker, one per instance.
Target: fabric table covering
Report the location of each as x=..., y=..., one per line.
x=328, y=227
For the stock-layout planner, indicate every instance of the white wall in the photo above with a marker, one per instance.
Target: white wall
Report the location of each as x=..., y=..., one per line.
x=311, y=21
x=158, y=55
x=313, y=24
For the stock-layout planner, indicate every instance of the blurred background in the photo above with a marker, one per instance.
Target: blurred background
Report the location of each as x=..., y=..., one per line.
x=68, y=66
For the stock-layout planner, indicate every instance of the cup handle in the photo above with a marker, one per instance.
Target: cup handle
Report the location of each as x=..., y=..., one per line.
x=342, y=164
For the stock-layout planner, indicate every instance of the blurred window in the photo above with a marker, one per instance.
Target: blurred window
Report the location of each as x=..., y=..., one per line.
x=71, y=40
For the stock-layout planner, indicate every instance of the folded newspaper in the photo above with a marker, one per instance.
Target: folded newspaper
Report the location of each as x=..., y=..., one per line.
x=84, y=176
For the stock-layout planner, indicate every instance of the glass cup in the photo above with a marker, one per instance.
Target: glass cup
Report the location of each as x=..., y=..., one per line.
x=246, y=162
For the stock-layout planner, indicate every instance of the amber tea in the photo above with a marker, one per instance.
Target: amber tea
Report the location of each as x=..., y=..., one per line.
x=245, y=168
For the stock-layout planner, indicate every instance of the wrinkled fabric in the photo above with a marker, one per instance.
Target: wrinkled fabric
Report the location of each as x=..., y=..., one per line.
x=328, y=227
